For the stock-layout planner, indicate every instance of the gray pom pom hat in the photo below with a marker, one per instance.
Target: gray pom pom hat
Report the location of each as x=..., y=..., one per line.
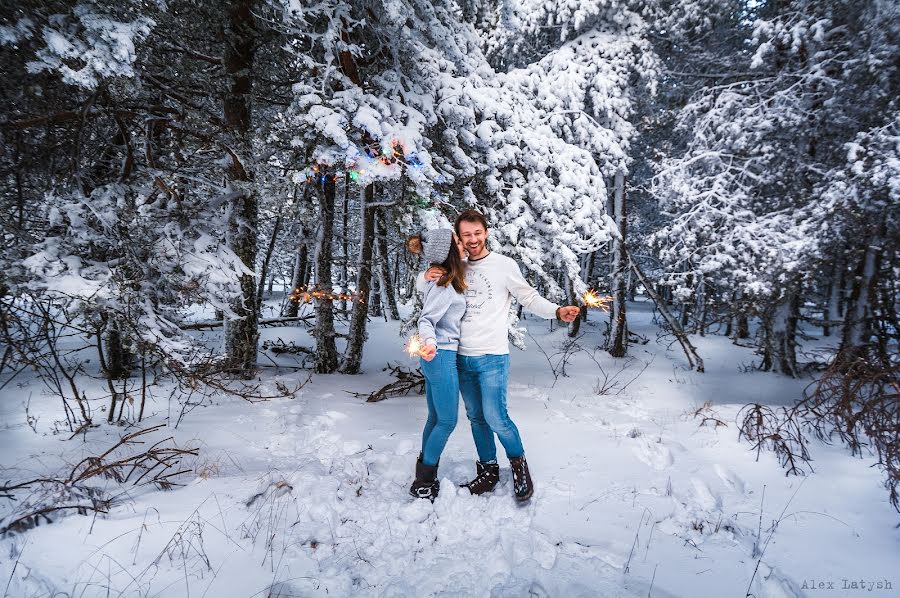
x=436, y=244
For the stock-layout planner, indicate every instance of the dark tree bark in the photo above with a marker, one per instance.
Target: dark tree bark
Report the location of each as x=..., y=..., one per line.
x=324, y=333
x=264, y=270
x=588, y=278
x=115, y=361
x=834, y=296
x=859, y=324
x=375, y=299
x=742, y=330
x=388, y=290
x=741, y=321
x=299, y=277
x=345, y=242
x=701, y=308
x=779, y=342
x=241, y=334
x=357, y=334
x=619, y=332
x=117, y=358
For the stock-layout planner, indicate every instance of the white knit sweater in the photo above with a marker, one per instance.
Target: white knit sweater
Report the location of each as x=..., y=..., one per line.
x=493, y=282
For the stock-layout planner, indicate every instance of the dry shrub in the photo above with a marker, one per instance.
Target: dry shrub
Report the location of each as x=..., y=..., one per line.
x=407, y=381
x=126, y=462
x=856, y=402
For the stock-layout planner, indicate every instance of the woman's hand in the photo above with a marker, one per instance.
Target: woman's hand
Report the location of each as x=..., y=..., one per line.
x=434, y=273
x=428, y=352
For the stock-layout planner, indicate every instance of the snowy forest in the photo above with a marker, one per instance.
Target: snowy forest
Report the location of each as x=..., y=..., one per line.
x=206, y=295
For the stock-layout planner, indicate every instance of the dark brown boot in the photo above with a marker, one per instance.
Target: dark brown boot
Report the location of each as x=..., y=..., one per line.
x=521, y=478
x=426, y=484
x=488, y=474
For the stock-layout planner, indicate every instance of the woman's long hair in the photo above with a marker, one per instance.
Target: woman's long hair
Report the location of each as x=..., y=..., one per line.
x=453, y=265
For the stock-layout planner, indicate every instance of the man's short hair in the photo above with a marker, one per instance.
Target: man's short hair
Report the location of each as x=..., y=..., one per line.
x=471, y=215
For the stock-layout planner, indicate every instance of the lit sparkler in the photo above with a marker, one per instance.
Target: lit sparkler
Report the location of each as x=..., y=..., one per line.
x=414, y=346
x=593, y=300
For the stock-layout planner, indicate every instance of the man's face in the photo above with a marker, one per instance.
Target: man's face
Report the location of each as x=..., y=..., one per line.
x=474, y=237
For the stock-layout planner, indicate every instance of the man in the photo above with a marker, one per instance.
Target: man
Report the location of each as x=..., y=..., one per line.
x=492, y=280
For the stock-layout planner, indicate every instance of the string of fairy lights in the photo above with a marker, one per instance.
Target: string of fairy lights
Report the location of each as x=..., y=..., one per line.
x=360, y=168
x=306, y=294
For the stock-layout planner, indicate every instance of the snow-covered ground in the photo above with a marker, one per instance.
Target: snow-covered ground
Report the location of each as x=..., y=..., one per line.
x=308, y=496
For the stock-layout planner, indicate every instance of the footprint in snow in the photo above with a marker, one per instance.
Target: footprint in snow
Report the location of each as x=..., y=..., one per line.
x=704, y=497
x=654, y=454
x=731, y=480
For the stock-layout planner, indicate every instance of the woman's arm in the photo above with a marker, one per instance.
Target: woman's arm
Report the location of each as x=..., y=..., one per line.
x=437, y=302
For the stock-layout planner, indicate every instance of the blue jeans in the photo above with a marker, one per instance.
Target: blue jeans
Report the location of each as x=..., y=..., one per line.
x=442, y=396
x=482, y=381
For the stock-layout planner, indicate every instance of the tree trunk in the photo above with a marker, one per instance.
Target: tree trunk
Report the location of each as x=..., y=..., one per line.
x=619, y=333
x=835, y=294
x=299, y=278
x=611, y=261
x=588, y=277
x=324, y=333
x=858, y=322
x=357, y=333
x=630, y=286
x=701, y=307
x=409, y=278
x=388, y=289
x=780, y=332
x=575, y=325
x=345, y=243
x=240, y=332
x=742, y=330
x=375, y=295
x=685, y=306
x=116, y=357
x=264, y=270
x=396, y=279
x=742, y=323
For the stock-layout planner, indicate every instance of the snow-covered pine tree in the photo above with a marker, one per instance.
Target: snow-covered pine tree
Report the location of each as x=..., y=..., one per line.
x=862, y=198
x=580, y=68
x=742, y=196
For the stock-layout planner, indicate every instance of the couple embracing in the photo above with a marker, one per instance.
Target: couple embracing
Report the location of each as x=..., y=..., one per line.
x=463, y=329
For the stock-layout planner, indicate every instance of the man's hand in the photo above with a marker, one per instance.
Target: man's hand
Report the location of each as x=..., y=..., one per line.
x=568, y=313
x=428, y=352
x=434, y=273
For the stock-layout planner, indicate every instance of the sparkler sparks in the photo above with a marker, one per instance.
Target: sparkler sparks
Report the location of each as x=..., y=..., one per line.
x=414, y=346
x=593, y=300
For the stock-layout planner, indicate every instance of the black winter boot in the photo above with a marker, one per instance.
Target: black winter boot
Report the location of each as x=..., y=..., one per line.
x=426, y=484
x=521, y=478
x=488, y=474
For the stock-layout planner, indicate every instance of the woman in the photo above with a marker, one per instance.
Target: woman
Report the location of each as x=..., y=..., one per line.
x=442, y=311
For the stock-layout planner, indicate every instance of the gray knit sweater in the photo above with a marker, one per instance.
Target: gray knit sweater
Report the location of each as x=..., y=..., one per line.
x=442, y=311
